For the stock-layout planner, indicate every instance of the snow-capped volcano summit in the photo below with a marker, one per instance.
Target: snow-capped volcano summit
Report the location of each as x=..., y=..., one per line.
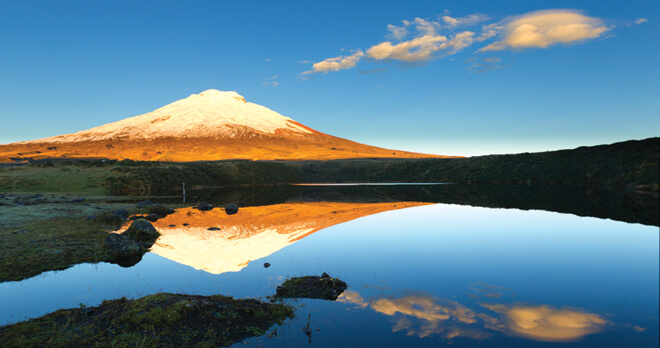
x=211, y=113
x=212, y=125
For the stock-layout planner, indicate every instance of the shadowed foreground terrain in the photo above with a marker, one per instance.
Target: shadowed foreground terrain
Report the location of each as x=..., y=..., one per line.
x=159, y=320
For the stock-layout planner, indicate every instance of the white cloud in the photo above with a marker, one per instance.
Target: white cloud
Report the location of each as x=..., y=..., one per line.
x=464, y=21
x=426, y=27
x=542, y=29
x=397, y=33
x=270, y=81
x=641, y=20
x=484, y=64
x=460, y=41
x=489, y=31
x=336, y=63
x=422, y=40
x=415, y=50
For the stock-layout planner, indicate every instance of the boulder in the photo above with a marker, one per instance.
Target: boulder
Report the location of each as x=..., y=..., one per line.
x=144, y=204
x=231, y=209
x=160, y=210
x=141, y=230
x=123, y=250
x=323, y=287
x=113, y=219
x=122, y=213
x=204, y=206
x=152, y=217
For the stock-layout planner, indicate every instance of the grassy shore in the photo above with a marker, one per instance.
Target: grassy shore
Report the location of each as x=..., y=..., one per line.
x=49, y=232
x=62, y=178
x=159, y=320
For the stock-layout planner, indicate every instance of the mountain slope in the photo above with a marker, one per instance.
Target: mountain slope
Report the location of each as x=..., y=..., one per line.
x=212, y=125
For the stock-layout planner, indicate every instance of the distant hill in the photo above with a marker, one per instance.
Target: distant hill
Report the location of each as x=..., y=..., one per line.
x=208, y=126
x=633, y=164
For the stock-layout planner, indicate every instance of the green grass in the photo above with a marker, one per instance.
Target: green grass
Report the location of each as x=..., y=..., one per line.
x=47, y=245
x=55, y=179
x=48, y=237
x=159, y=320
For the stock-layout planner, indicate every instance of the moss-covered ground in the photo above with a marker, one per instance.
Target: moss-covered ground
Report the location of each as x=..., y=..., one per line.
x=322, y=288
x=47, y=232
x=72, y=179
x=160, y=320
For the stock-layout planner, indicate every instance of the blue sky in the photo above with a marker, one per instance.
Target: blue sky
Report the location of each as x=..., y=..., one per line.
x=446, y=77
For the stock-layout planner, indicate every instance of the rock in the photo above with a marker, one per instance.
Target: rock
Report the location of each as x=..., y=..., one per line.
x=266, y=265
x=120, y=244
x=213, y=228
x=144, y=204
x=231, y=209
x=153, y=217
x=324, y=287
x=123, y=250
x=160, y=210
x=113, y=219
x=204, y=206
x=141, y=230
x=121, y=213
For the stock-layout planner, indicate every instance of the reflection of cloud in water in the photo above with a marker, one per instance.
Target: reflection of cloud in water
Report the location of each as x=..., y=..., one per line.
x=252, y=233
x=350, y=296
x=543, y=323
x=639, y=328
x=423, y=315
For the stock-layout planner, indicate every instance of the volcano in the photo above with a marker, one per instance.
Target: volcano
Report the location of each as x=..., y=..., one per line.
x=209, y=126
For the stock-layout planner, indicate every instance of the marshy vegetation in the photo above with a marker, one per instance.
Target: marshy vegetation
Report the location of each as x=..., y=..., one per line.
x=159, y=320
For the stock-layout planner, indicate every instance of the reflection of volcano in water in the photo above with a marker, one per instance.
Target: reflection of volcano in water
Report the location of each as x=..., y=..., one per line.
x=253, y=233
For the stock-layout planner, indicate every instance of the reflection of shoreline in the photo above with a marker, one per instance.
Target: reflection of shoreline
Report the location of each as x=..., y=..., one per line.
x=419, y=314
x=606, y=202
x=252, y=233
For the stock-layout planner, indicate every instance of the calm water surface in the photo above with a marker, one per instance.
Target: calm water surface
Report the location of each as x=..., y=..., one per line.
x=419, y=274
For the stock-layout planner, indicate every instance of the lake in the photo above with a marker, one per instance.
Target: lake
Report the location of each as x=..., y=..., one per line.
x=426, y=265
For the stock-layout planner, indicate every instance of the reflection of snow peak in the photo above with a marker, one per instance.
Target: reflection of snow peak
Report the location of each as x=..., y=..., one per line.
x=215, y=254
x=251, y=234
x=208, y=114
